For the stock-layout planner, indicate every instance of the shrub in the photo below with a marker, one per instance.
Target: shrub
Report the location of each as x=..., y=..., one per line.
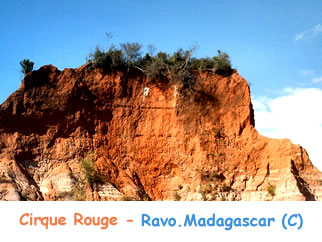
x=98, y=58
x=271, y=189
x=222, y=63
x=178, y=57
x=163, y=57
x=155, y=70
x=91, y=174
x=218, y=133
x=180, y=67
x=25, y=195
x=116, y=57
x=176, y=196
x=111, y=60
x=132, y=52
x=225, y=188
x=127, y=198
x=202, y=64
x=26, y=66
x=179, y=70
x=204, y=195
x=78, y=193
x=176, y=67
x=209, y=175
x=207, y=63
x=144, y=61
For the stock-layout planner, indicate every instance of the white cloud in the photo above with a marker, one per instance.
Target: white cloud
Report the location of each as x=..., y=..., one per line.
x=312, y=74
x=309, y=33
x=317, y=79
x=299, y=37
x=307, y=72
x=296, y=116
x=317, y=28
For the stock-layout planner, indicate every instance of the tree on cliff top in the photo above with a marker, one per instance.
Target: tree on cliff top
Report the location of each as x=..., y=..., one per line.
x=26, y=66
x=180, y=67
x=222, y=63
x=132, y=52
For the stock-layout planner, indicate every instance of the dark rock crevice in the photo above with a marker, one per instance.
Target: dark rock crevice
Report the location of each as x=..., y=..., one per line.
x=301, y=184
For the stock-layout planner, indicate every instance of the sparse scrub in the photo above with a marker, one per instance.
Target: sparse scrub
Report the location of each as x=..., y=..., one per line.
x=127, y=198
x=25, y=195
x=218, y=133
x=112, y=59
x=204, y=195
x=145, y=197
x=271, y=189
x=225, y=188
x=92, y=175
x=63, y=196
x=78, y=193
x=209, y=176
x=214, y=196
x=176, y=196
x=179, y=68
x=132, y=52
x=222, y=63
x=205, y=190
x=155, y=70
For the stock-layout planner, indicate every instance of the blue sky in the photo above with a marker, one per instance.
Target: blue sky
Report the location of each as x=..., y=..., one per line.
x=274, y=44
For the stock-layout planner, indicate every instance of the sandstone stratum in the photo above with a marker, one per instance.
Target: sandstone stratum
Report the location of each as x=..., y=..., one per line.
x=147, y=141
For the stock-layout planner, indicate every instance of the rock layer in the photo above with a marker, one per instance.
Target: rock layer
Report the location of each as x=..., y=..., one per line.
x=152, y=141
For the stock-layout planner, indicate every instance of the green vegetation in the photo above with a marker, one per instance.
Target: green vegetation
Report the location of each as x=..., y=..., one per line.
x=218, y=133
x=131, y=52
x=213, y=185
x=84, y=180
x=223, y=199
x=206, y=189
x=209, y=176
x=25, y=195
x=26, y=66
x=127, y=198
x=180, y=67
x=78, y=193
x=176, y=196
x=113, y=59
x=271, y=189
x=225, y=188
x=222, y=63
x=89, y=175
x=92, y=175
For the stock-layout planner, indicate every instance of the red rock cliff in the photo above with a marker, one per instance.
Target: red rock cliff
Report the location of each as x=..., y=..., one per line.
x=151, y=141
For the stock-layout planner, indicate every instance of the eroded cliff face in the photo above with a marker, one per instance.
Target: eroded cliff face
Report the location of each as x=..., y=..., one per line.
x=151, y=141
